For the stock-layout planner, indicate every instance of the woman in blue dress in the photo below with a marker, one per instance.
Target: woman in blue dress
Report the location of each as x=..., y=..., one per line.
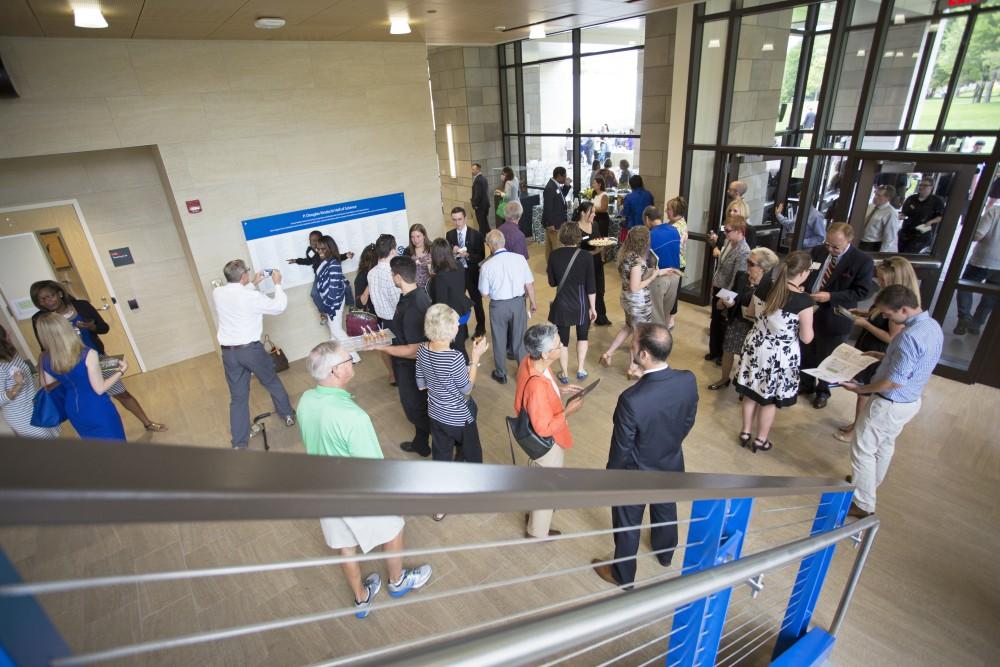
x=65, y=360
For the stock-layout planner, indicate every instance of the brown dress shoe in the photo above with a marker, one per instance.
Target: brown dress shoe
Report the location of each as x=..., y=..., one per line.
x=857, y=512
x=604, y=572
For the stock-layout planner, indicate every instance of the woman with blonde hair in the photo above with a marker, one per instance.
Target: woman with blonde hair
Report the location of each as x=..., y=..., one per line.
x=88, y=407
x=420, y=250
x=675, y=213
x=877, y=331
x=769, y=367
x=637, y=272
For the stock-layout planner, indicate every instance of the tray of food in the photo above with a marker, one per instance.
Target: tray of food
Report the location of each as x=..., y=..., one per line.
x=603, y=241
x=368, y=340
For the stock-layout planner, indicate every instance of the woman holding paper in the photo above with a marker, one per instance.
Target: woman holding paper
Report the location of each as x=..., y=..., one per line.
x=877, y=331
x=769, y=369
x=731, y=260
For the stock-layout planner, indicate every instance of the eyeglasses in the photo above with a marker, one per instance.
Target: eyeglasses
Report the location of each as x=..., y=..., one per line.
x=832, y=246
x=926, y=185
x=727, y=230
x=750, y=262
x=340, y=363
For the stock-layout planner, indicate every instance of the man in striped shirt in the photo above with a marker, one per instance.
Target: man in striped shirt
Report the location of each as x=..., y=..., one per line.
x=895, y=391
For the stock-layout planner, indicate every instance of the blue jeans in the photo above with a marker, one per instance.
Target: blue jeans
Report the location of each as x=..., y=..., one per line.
x=314, y=293
x=977, y=274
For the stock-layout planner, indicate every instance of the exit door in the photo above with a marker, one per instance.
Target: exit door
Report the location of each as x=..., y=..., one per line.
x=27, y=241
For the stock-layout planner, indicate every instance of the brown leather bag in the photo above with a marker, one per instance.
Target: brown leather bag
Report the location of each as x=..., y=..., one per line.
x=277, y=355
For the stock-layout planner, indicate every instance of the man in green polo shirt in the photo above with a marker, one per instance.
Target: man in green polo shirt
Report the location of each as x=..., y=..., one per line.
x=332, y=424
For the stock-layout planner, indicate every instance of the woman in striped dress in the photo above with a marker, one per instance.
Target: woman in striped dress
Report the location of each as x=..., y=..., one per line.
x=17, y=392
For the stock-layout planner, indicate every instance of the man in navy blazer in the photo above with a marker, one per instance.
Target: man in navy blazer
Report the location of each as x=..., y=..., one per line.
x=652, y=419
x=554, y=208
x=843, y=276
x=469, y=248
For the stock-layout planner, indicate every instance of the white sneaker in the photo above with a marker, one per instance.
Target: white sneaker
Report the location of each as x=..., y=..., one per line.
x=411, y=579
x=373, y=584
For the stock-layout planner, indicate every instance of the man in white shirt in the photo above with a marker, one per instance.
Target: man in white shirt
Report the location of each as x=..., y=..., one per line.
x=506, y=278
x=882, y=224
x=240, y=308
x=382, y=290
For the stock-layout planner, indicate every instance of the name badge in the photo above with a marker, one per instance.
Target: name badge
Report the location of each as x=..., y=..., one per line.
x=815, y=266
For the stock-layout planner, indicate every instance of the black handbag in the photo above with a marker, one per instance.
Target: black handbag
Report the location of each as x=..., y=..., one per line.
x=534, y=445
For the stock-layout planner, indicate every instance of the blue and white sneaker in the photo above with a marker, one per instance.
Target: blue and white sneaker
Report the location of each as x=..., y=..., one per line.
x=373, y=584
x=412, y=578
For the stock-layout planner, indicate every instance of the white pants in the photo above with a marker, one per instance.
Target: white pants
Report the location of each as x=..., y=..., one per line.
x=337, y=333
x=874, y=442
x=540, y=520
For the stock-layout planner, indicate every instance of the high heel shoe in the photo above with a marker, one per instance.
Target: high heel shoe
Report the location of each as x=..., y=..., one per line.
x=764, y=446
x=720, y=385
x=745, y=438
x=605, y=359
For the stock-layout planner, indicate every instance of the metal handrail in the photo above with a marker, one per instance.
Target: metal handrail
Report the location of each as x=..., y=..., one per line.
x=528, y=641
x=69, y=481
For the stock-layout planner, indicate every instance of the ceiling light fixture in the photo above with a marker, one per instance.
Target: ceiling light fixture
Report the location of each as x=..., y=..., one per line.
x=399, y=26
x=900, y=54
x=768, y=46
x=269, y=23
x=537, y=32
x=861, y=53
x=714, y=44
x=899, y=19
x=452, y=171
x=89, y=16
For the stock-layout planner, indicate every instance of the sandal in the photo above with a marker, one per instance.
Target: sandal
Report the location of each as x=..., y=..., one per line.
x=847, y=428
x=582, y=375
x=156, y=427
x=719, y=385
x=745, y=438
x=605, y=359
x=562, y=377
x=843, y=436
x=634, y=372
x=764, y=446
x=438, y=517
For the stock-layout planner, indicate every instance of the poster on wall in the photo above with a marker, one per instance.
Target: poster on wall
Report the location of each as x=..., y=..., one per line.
x=274, y=239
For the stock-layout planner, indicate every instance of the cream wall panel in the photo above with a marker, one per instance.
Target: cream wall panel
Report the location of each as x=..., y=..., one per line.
x=44, y=178
x=247, y=128
x=178, y=68
x=158, y=119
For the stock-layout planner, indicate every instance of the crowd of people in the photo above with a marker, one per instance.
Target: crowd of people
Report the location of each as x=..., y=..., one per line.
x=776, y=316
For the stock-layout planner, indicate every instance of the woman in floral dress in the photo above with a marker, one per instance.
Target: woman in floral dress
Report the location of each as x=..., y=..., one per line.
x=769, y=369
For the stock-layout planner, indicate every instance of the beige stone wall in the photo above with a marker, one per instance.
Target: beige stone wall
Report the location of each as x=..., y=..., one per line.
x=657, y=102
x=249, y=128
x=466, y=93
x=124, y=204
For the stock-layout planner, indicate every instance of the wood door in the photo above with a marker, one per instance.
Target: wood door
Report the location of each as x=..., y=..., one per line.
x=63, y=218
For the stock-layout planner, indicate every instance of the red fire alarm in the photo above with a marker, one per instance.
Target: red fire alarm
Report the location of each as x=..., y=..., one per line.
x=194, y=205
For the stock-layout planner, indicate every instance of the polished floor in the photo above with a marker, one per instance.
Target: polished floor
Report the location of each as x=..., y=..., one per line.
x=930, y=594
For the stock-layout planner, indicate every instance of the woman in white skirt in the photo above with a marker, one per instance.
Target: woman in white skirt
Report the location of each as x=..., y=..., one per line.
x=17, y=393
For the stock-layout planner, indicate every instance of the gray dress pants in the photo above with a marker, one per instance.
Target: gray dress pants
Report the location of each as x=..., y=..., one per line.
x=508, y=321
x=239, y=363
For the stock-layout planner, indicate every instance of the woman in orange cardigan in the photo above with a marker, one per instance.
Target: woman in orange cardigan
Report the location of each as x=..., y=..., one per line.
x=538, y=392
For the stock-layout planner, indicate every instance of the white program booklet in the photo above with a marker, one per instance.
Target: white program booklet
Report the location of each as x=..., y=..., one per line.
x=726, y=295
x=842, y=365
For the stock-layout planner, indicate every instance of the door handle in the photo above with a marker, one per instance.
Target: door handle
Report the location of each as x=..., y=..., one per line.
x=106, y=306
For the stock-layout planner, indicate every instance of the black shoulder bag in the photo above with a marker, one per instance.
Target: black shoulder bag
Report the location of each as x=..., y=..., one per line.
x=534, y=445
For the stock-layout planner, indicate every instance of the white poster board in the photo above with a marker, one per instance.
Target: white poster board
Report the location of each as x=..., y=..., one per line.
x=274, y=239
x=22, y=262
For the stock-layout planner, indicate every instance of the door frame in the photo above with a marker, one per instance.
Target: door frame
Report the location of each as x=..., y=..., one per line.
x=97, y=258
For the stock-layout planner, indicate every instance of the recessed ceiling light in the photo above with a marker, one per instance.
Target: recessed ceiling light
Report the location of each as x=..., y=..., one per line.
x=861, y=53
x=269, y=23
x=537, y=32
x=89, y=16
x=900, y=54
x=899, y=19
x=399, y=26
x=714, y=44
x=768, y=46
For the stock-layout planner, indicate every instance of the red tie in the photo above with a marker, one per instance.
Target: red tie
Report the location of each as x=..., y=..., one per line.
x=829, y=271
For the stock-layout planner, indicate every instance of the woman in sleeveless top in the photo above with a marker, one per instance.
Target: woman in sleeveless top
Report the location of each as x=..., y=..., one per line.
x=88, y=407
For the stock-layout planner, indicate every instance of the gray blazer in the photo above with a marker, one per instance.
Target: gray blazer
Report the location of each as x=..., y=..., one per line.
x=732, y=261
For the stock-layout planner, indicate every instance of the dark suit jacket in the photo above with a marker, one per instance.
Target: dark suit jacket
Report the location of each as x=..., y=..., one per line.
x=474, y=244
x=480, y=192
x=554, y=204
x=652, y=419
x=853, y=280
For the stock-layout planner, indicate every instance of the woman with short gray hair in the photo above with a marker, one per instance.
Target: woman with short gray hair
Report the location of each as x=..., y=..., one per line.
x=543, y=403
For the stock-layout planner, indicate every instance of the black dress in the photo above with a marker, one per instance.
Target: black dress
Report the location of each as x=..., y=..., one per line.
x=571, y=307
x=360, y=285
x=868, y=342
x=602, y=311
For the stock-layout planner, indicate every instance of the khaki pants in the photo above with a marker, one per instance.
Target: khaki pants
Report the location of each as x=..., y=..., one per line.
x=874, y=443
x=663, y=292
x=540, y=520
x=551, y=241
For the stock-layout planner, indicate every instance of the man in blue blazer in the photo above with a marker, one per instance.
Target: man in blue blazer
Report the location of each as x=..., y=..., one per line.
x=554, y=208
x=652, y=419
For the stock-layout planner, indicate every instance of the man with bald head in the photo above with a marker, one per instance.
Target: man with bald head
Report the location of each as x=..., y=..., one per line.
x=506, y=279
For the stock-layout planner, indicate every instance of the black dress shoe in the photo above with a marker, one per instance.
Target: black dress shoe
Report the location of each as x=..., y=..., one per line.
x=819, y=402
x=511, y=356
x=410, y=448
x=603, y=323
x=502, y=379
x=710, y=357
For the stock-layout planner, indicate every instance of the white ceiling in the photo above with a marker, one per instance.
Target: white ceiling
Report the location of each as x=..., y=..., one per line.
x=452, y=21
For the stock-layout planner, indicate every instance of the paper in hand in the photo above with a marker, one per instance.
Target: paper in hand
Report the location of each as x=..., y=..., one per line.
x=842, y=365
x=726, y=295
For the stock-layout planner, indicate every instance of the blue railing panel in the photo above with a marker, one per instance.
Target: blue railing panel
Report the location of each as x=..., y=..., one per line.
x=27, y=636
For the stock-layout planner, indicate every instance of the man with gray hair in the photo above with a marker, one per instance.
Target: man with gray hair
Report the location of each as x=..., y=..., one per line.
x=514, y=239
x=506, y=278
x=881, y=230
x=240, y=310
x=332, y=424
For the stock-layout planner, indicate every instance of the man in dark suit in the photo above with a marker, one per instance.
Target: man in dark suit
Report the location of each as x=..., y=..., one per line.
x=467, y=244
x=481, y=203
x=843, y=276
x=554, y=208
x=652, y=419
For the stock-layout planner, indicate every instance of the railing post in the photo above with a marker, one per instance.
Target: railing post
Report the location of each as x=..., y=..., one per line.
x=830, y=514
x=715, y=536
x=27, y=636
